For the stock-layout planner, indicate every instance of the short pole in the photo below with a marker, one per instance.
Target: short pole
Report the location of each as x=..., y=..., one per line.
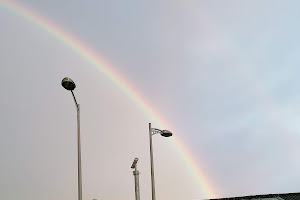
x=137, y=184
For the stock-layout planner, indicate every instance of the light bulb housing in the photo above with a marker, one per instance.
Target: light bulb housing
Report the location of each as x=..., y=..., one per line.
x=68, y=84
x=166, y=133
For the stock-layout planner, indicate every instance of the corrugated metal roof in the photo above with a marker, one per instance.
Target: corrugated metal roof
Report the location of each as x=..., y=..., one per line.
x=287, y=196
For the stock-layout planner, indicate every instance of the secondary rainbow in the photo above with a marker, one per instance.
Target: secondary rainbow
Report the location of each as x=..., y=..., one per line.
x=100, y=64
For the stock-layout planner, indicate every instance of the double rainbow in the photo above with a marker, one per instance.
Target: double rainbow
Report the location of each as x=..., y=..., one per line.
x=100, y=64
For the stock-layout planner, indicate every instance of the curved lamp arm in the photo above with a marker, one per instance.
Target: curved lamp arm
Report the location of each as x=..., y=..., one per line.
x=155, y=131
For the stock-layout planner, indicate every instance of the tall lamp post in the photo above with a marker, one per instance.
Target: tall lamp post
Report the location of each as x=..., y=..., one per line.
x=68, y=84
x=164, y=133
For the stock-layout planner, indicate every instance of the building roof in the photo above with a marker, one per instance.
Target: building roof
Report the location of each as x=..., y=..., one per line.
x=287, y=196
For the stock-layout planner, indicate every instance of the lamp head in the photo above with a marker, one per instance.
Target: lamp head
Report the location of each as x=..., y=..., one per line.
x=166, y=133
x=68, y=84
x=134, y=163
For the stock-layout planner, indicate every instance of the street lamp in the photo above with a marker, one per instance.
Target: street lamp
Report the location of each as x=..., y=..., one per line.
x=153, y=131
x=68, y=84
x=136, y=179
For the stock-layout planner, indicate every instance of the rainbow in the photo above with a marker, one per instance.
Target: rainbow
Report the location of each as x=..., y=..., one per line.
x=104, y=67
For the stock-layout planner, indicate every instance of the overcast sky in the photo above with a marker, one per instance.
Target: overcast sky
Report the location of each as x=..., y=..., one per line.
x=224, y=74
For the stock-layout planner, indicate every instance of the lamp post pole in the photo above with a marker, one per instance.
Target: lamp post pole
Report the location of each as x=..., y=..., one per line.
x=68, y=84
x=151, y=160
x=79, y=154
x=164, y=133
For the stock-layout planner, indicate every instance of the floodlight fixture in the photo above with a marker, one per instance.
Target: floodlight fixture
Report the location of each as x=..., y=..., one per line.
x=134, y=163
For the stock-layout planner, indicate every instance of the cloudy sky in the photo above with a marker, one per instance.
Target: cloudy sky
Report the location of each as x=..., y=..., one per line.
x=222, y=74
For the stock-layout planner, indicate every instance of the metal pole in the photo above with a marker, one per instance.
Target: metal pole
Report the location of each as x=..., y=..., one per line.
x=79, y=153
x=137, y=185
x=152, y=167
